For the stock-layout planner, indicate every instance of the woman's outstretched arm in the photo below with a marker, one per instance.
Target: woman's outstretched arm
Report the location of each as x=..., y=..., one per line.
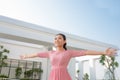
x=25, y=56
x=109, y=51
x=40, y=54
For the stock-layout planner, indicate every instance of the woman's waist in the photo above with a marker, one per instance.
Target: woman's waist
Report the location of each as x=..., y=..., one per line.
x=59, y=67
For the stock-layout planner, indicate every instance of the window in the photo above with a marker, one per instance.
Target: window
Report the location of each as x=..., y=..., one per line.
x=28, y=67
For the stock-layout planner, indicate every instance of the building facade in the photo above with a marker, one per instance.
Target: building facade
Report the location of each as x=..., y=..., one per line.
x=25, y=38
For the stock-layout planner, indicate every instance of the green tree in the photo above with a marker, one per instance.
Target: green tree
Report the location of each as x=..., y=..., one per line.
x=30, y=73
x=86, y=76
x=18, y=72
x=3, y=56
x=110, y=63
x=37, y=71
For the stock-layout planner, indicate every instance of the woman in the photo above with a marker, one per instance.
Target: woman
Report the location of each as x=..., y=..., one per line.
x=60, y=58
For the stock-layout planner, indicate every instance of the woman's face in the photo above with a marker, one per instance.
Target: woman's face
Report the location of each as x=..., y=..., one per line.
x=59, y=41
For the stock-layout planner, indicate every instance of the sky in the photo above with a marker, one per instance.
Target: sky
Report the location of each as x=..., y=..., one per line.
x=93, y=19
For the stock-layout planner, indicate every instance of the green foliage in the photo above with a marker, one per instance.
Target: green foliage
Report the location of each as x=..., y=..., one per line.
x=29, y=73
x=110, y=63
x=86, y=76
x=18, y=72
x=3, y=56
x=78, y=71
x=37, y=70
x=3, y=76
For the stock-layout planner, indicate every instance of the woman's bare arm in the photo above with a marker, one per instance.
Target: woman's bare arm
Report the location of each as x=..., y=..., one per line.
x=25, y=56
x=109, y=51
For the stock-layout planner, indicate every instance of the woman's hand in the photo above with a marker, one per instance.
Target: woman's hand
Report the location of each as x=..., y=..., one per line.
x=110, y=52
x=22, y=56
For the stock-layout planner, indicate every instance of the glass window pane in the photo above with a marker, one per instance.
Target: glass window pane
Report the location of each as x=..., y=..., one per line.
x=5, y=71
x=14, y=63
x=29, y=64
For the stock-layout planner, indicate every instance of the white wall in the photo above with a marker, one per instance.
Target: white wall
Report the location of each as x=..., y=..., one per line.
x=99, y=69
x=86, y=67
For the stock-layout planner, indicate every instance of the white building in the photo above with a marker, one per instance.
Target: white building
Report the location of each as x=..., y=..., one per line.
x=24, y=38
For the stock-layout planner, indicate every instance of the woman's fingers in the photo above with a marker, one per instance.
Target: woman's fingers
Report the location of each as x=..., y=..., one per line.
x=22, y=56
x=111, y=51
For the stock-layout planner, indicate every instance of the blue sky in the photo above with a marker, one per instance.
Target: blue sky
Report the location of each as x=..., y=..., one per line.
x=94, y=19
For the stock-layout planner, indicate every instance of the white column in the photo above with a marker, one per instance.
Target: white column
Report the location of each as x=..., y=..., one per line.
x=80, y=64
x=71, y=68
x=92, y=70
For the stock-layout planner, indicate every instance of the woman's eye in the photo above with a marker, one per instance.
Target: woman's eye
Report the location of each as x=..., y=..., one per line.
x=59, y=38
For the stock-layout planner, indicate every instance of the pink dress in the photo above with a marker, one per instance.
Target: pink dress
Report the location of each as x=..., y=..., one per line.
x=59, y=62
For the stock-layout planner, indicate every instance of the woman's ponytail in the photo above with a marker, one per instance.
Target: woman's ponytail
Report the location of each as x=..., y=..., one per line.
x=64, y=46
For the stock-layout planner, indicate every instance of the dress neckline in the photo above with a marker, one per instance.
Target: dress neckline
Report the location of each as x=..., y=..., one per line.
x=60, y=51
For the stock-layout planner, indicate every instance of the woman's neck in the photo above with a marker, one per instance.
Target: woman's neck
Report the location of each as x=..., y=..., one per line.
x=60, y=49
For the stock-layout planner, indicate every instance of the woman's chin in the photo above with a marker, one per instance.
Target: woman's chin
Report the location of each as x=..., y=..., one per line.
x=57, y=46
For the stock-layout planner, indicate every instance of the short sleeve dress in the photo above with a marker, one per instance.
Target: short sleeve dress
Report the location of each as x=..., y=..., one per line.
x=59, y=62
